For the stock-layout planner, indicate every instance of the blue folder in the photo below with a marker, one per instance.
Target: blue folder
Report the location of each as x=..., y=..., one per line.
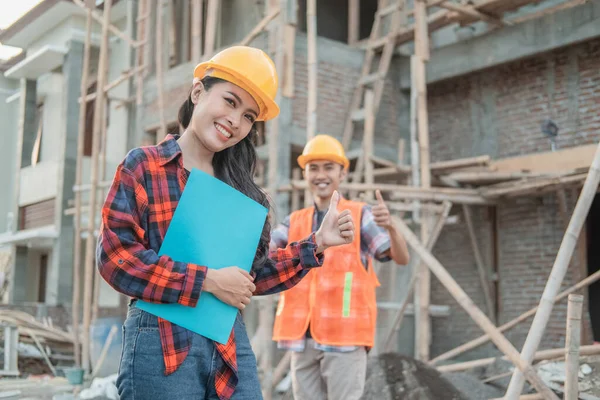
x=217, y=226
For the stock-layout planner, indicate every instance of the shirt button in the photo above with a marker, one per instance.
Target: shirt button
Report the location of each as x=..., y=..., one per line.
x=120, y=262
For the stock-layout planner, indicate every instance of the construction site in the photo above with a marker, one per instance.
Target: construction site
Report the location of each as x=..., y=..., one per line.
x=478, y=120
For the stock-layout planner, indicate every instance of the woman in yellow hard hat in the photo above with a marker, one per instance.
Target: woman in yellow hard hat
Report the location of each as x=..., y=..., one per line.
x=161, y=360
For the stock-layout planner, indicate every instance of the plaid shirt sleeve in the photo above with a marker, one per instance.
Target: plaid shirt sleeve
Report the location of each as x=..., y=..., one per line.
x=374, y=240
x=279, y=235
x=286, y=267
x=123, y=257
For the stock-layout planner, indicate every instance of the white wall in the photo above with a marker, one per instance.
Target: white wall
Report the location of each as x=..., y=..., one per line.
x=9, y=115
x=38, y=183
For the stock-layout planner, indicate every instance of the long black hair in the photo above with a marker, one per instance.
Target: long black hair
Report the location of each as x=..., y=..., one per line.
x=236, y=166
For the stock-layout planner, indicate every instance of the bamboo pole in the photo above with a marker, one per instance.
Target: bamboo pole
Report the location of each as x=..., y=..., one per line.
x=78, y=177
x=474, y=312
x=572, y=344
x=111, y=334
x=353, y=21
x=122, y=78
x=511, y=324
x=311, y=37
x=296, y=175
x=455, y=195
x=540, y=355
x=483, y=272
x=422, y=292
x=558, y=272
x=159, y=61
x=435, y=233
x=142, y=34
x=578, y=263
x=368, y=140
x=113, y=29
x=259, y=27
x=103, y=140
x=282, y=367
x=211, y=28
x=197, y=11
x=90, y=240
x=266, y=315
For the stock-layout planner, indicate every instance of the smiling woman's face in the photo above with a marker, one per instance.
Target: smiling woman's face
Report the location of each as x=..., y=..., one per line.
x=223, y=115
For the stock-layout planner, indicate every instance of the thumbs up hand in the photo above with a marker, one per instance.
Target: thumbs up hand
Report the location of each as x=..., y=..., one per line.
x=381, y=214
x=337, y=227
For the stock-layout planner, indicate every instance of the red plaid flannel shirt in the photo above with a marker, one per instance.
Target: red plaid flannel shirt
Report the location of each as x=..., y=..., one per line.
x=138, y=209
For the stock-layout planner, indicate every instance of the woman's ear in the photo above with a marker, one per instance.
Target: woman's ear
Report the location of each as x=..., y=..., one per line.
x=197, y=91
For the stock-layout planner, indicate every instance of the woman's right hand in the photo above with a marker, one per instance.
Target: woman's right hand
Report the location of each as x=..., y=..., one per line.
x=231, y=285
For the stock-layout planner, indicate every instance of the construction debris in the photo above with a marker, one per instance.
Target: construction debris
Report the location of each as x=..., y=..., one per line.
x=393, y=376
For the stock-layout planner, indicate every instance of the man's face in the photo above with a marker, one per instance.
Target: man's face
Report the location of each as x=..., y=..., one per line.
x=323, y=177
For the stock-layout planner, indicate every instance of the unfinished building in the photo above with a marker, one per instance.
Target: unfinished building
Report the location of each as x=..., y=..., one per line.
x=486, y=113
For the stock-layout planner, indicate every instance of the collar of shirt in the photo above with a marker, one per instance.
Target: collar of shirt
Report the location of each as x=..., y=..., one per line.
x=168, y=149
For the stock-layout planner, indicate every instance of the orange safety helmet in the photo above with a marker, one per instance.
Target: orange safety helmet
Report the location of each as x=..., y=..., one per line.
x=323, y=147
x=249, y=68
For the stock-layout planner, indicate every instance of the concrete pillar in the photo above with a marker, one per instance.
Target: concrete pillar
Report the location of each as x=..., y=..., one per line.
x=24, y=145
x=18, y=278
x=59, y=284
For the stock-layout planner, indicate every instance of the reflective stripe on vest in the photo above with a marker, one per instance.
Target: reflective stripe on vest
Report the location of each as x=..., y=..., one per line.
x=336, y=299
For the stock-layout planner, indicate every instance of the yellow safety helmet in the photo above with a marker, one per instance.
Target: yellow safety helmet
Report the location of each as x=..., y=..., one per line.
x=323, y=147
x=249, y=68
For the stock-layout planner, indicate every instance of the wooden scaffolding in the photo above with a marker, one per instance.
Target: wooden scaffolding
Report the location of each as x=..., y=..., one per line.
x=420, y=194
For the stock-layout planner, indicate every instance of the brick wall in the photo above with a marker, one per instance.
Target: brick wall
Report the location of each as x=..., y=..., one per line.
x=498, y=112
x=336, y=81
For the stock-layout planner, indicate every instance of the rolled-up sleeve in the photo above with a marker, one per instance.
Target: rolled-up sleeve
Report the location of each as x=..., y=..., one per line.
x=287, y=266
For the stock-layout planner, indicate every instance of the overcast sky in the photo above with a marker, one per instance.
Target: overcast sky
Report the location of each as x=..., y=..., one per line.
x=11, y=11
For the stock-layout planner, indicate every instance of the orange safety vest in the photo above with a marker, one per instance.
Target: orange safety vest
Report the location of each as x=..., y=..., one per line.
x=336, y=299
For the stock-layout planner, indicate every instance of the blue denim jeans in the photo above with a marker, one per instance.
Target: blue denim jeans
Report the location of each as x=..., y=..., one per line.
x=141, y=370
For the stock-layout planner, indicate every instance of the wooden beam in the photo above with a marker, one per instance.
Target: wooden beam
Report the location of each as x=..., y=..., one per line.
x=311, y=37
x=197, y=9
x=353, y=21
x=289, y=37
x=484, y=276
x=514, y=322
x=474, y=312
x=435, y=233
x=540, y=355
x=212, y=12
x=259, y=27
x=76, y=299
x=422, y=293
x=572, y=343
x=113, y=29
x=159, y=65
x=473, y=12
x=90, y=240
x=558, y=272
x=455, y=195
x=368, y=141
x=548, y=162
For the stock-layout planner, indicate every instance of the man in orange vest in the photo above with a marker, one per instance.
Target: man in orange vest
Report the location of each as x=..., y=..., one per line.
x=328, y=319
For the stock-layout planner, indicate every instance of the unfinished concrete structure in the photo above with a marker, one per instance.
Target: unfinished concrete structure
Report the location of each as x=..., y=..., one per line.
x=496, y=71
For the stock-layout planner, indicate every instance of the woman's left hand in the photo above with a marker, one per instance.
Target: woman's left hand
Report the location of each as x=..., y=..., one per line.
x=337, y=227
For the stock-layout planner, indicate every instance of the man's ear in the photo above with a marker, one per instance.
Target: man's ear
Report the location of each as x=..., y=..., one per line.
x=343, y=173
x=197, y=90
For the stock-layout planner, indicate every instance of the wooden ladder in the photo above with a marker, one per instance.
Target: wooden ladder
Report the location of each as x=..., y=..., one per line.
x=378, y=42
